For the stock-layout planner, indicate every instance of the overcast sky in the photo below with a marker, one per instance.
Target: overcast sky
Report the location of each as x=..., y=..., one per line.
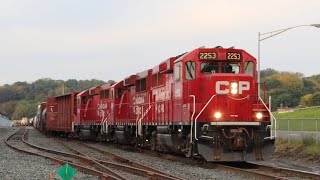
x=81, y=39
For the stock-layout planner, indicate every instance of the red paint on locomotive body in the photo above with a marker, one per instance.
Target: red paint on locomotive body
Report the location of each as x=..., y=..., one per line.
x=215, y=77
x=105, y=104
x=203, y=102
x=87, y=107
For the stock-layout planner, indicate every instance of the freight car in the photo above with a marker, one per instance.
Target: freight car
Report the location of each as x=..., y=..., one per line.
x=202, y=103
x=24, y=122
x=60, y=114
x=40, y=117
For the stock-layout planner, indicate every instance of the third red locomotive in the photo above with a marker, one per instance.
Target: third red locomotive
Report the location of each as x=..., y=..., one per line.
x=202, y=103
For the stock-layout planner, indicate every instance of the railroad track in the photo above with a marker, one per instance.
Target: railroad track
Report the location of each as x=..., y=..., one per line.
x=115, y=161
x=250, y=169
x=255, y=170
x=280, y=172
x=18, y=142
x=104, y=167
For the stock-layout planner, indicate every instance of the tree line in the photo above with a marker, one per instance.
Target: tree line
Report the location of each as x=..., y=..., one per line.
x=291, y=89
x=287, y=89
x=21, y=99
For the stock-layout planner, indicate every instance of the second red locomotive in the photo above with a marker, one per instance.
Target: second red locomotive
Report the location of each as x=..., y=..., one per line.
x=201, y=103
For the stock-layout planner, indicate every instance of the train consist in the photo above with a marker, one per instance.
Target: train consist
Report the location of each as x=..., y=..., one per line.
x=202, y=103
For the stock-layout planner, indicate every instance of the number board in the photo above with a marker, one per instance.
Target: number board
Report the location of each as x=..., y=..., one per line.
x=234, y=56
x=207, y=55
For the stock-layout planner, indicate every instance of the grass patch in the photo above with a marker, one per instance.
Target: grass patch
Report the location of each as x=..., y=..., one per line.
x=306, y=149
x=298, y=124
x=298, y=120
x=306, y=113
x=312, y=150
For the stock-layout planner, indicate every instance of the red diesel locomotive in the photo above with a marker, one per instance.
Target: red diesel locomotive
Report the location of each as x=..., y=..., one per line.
x=202, y=103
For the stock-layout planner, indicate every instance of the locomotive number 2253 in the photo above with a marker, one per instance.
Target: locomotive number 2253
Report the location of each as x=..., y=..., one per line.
x=233, y=56
x=207, y=55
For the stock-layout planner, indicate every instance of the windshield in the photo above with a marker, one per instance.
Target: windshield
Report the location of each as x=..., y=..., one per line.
x=213, y=67
x=209, y=67
x=231, y=68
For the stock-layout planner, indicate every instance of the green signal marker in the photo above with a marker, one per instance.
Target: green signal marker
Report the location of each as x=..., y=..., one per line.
x=66, y=172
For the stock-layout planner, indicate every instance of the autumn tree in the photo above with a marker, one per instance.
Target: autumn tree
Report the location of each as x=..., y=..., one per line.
x=21, y=98
x=305, y=100
x=315, y=99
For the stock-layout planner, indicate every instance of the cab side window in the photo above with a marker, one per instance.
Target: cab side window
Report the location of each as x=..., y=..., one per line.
x=249, y=68
x=177, y=73
x=190, y=70
x=84, y=99
x=119, y=93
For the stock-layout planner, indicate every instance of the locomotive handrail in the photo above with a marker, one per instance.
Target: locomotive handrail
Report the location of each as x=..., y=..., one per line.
x=86, y=109
x=193, y=113
x=120, y=105
x=137, y=125
x=275, y=122
x=195, y=120
x=138, y=121
x=105, y=125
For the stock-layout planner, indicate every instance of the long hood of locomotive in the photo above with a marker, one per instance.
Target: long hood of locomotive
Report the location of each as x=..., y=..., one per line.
x=233, y=106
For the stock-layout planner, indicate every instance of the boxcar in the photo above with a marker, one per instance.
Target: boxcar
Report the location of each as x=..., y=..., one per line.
x=61, y=113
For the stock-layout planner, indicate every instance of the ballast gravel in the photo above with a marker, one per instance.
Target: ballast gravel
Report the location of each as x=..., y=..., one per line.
x=180, y=169
x=17, y=165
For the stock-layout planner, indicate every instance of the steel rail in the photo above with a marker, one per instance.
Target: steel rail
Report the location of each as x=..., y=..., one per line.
x=60, y=161
x=132, y=167
x=85, y=158
x=287, y=172
x=128, y=161
x=258, y=171
x=94, y=161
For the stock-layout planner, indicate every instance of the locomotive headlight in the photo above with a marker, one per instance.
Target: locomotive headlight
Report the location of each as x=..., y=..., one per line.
x=234, y=88
x=259, y=115
x=217, y=115
x=234, y=85
x=234, y=91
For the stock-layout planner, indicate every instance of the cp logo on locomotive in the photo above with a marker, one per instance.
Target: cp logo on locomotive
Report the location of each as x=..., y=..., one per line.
x=223, y=87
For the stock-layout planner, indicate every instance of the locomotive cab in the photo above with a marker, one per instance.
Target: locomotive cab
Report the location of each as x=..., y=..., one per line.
x=87, y=121
x=229, y=122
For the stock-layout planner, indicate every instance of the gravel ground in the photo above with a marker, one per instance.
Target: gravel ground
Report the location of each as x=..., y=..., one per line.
x=100, y=156
x=176, y=168
x=179, y=169
x=17, y=165
x=291, y=164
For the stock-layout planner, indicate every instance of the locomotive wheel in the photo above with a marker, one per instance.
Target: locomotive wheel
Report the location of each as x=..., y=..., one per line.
x=153, y=140
x=153, y=144
x=115, y=140
x=98, y=137
x=80, y=136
